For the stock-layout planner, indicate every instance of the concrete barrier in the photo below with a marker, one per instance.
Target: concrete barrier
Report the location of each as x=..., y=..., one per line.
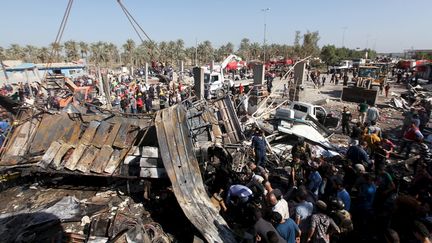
x=358, y=95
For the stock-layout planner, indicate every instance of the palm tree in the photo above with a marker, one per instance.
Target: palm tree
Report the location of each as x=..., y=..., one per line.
x=84, y=48
x=30, y=53
x=56, y=51
x=2, y=53
x=98, y=53
x=71, y=50
x=15, y=51
x=129, y=48
x=244, y=49
x=255, y=50
x=190, y=54
x=179, y=50
x=205, y=52
x=43, y=55
x=163, y=51
x=151, y=48
x=112, y=53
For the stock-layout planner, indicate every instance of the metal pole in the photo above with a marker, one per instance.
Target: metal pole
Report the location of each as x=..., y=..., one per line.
x=28, y=83
x=343, y=36
x=196, y=52
x=265, y=31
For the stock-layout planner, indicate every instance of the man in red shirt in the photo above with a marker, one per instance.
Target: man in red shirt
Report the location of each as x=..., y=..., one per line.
x=411, y=136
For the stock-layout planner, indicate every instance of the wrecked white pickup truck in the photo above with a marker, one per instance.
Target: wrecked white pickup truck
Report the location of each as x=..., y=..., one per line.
x=306, y=111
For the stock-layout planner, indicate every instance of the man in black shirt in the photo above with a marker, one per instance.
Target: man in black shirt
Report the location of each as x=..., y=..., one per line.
x=356, y=132
x=346, y=119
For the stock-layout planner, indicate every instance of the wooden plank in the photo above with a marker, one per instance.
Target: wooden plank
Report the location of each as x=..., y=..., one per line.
x=115, y=160
x=102, y=134
x=49, y=155
x=52, y=128
x=120, y=140
x=59, y=156
x=131, y=136
x=102, y=159
x=75, y=157
x=89, y=133
x=113, y=134
x=87, y=159
x=72, y=135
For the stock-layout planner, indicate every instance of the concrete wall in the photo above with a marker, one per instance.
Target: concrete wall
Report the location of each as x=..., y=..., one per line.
x=258, y=72
x=198, y=73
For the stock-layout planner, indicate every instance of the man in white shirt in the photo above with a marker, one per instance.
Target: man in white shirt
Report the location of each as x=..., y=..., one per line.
x=280, y=206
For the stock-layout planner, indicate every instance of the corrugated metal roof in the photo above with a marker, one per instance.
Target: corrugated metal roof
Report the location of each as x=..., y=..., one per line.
x=183, y=170
x=96, y=146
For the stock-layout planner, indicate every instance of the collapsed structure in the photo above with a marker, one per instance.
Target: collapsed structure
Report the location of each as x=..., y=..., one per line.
x=107, y=144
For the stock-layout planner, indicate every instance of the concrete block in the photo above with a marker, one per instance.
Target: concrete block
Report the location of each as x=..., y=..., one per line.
x=258, y=73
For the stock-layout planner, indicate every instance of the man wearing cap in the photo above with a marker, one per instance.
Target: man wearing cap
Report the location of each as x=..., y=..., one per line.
x=320, y=223
x=238, y=194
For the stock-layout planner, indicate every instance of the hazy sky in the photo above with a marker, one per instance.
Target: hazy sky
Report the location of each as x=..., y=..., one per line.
x=387, y=25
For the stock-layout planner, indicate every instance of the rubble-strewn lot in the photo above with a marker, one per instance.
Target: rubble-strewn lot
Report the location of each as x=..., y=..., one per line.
x=171, y=176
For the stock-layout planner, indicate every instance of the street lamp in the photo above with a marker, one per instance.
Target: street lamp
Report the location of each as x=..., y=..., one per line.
x=265, y=10
x=343, y=35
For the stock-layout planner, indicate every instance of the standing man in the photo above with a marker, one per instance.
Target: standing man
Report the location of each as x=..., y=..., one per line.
x=259, y=145
x=346, y=119
x=411, y=136
x=286, y=228
x=320, y=224
x=362, y=109
x=372, y=114
x=386, y=90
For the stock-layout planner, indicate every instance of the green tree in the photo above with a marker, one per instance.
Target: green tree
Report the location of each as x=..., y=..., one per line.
x=56, y=49
x=329, y=56
x=297, y=47
x=190, y=55
x=84, y=49
x=30, y=53
x=310, y=44
x=71, y=50
x=98, y=53
x=255, y=51
x=129, y=49
x=43, y=55
x=244, y=49
x=179, y=50
x=15, y=51
x=205, y=52
x=2, y=53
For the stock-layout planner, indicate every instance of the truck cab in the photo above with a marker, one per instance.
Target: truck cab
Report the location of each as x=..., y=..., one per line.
x=215, y=85
x=302, y=109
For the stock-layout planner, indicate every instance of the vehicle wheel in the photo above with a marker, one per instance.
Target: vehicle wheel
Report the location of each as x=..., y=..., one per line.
x=220, y=93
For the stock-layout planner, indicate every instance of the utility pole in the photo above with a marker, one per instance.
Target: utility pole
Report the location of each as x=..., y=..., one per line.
x=265, y=10
x=343, y=35
x=196, y=52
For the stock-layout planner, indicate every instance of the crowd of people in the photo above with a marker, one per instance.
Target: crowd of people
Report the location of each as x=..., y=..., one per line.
x=356, y=197
x=134, y=96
